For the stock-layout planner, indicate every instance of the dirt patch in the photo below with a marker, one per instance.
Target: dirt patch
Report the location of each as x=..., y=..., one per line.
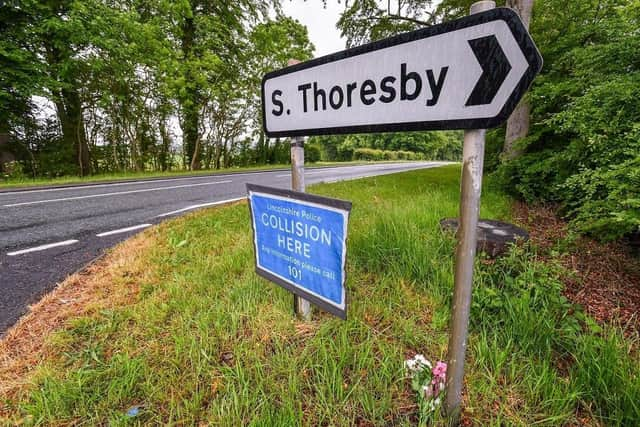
x=111, y=282
x=606, y=277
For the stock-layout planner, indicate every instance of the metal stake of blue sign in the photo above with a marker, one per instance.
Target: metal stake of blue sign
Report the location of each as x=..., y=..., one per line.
x=301, y=307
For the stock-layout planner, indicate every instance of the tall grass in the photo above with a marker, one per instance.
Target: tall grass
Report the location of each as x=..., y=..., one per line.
x=209, y=342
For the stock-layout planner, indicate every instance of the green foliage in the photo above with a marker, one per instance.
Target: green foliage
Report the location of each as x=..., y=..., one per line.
x=280, y=154
x=117, y=77
x=21, y=75
x=585, y=140
x=612, y=205
x=493, y=149
x=12, y=170
x=369, y=154
x=397, y=145
x=521, y=315
x=373, y=154
x=365, y=21
x=312, y=153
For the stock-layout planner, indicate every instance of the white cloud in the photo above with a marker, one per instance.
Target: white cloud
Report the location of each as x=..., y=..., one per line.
x=320, y=21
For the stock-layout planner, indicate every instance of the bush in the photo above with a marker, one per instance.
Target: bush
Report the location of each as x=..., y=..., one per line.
x=312, y=153
x=13, y=170
x=390, y=155
x=345, y=154
x=280, y=154
x=368, y=154
x=409, y=155
x=583, y=150
x=371, y=154
x=605, y=202
x=522, y=317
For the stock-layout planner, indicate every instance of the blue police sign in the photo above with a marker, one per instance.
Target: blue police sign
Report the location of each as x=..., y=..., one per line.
x=300, y=243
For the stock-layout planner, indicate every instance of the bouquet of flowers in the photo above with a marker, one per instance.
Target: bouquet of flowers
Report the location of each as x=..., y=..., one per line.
x=427, y=381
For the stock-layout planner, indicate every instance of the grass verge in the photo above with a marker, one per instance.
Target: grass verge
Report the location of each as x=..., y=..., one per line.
x=25, y=182
x=195, y=337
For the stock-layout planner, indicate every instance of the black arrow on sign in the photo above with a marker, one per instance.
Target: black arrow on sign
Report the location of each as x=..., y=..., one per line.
x=495, y=68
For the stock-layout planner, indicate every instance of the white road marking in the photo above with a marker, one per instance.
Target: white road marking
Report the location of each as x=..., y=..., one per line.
x=43, y=247
x=202, y=205
x=371, y=168
x=153, y=181
x=118, y=193
x=123, y=230
x=315, y=172
x=117, y=184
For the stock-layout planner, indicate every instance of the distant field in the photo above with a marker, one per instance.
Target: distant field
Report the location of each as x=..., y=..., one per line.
x=175, y=324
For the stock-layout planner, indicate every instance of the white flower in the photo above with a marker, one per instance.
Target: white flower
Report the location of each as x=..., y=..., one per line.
x=411, y=365
x=422, y=360
x=427, y=391
x=417, y=364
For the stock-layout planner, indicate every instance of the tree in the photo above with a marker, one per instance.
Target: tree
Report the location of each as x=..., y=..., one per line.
x=210, y=36
x=271, y=45
x=365, y=20
x=61, y=40
x=21, y=76
x=518, y=123
x=583, y=147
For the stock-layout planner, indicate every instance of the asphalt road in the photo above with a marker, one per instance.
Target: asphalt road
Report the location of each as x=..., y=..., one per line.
x=47, y=234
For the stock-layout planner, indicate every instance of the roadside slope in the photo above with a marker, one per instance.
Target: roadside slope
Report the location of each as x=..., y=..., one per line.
x=175, y=324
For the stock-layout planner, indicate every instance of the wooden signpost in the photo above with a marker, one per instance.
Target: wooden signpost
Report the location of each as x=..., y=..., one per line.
x=469, y=74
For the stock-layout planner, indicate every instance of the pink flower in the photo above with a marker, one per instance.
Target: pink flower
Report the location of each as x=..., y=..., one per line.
x=440, y=371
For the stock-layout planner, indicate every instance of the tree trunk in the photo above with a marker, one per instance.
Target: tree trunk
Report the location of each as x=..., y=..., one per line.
x=226, y=154
x=69, y=111
x=261, y=158
x=190, y=101
x=218, y=155
x=4, y=142
x=195, y=159
x=518, y=123
x=208, y=158
x=163, y=156
x=73, y=131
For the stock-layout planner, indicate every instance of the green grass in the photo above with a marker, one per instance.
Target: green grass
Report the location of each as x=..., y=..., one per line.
x=207, y=341
x=8, y=183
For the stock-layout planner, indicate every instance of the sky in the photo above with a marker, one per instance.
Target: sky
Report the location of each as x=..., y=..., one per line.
x=320, y=21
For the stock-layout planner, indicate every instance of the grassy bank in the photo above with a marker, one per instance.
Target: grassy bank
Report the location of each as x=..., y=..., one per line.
x=179, y=326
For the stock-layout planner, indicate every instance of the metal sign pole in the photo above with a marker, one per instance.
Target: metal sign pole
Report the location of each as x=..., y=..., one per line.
x=470, y=188
x=301, y=307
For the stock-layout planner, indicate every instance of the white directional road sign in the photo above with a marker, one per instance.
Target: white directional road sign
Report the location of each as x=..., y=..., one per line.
x=464, y=74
